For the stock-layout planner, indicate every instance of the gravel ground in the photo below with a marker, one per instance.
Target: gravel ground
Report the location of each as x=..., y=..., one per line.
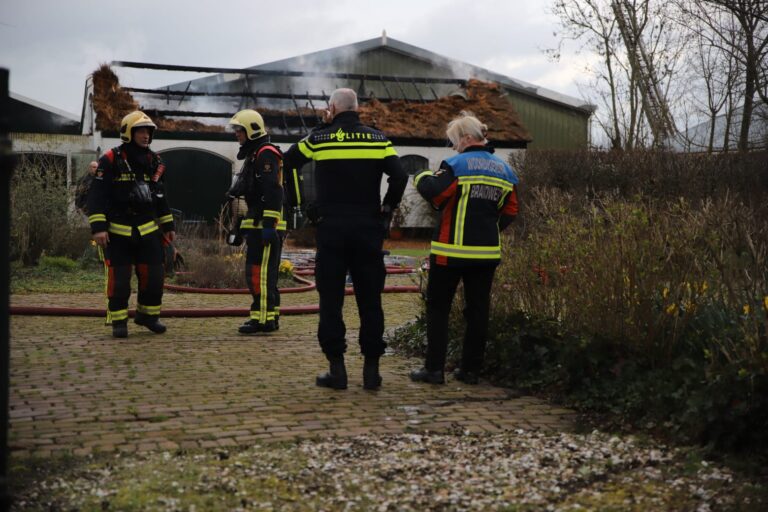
x=520, y=470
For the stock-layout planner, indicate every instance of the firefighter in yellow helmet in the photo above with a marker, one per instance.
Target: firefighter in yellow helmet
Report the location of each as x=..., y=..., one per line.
x=260, y=183
x=130, y=222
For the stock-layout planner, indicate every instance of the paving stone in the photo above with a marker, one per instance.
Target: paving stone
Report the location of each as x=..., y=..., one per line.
x=203, y=385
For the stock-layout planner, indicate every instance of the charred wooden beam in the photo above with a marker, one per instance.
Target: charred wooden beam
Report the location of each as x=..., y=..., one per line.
x=270, y=72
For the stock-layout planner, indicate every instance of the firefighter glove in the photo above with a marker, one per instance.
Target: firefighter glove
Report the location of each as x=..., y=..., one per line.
x=268, y=235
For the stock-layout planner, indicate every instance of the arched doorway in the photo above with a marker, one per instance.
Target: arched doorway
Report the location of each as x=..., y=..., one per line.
x=196, y=182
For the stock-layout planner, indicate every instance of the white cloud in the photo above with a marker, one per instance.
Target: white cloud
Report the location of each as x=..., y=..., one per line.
x=50, y=46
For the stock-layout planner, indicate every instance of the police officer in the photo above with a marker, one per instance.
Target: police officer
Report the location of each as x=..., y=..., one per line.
x=130, y=220
x=260, y=183
x=351, y=218
x=476, y=194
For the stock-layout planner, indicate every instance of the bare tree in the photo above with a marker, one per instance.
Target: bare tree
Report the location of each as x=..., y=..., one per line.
x=739, y=29
x=619, y=84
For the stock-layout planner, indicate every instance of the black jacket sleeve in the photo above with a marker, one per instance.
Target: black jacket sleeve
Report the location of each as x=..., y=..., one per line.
x=268, y=166
x=398, y=180
x=100, y=192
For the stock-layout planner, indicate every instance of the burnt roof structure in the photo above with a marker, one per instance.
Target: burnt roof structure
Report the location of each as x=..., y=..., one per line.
x=407, y=92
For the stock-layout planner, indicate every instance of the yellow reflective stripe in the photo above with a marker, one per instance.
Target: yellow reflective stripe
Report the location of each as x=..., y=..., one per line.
x=119, y=229
x=421, y=175
x=261, y=315
x=475, y=252
x=272, y=214
x=305, y=148
x=296, y=185
x=165, y=219
x=250, y=224
x=503, y=199
x=121, y=314
x=149, y=227
x=97, y=217
x=461, y=215
x=356, y=154
x=485, y=180
x=106, y=283
x=350, y=144
x=149, y=310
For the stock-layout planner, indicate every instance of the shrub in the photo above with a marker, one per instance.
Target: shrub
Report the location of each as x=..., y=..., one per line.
x=637, y=285
x=57, y=263
x=41, y=219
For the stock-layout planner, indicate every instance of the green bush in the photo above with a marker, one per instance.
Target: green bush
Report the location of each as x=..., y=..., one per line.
x=41, y=220
x=57, y=263
x=636, y=285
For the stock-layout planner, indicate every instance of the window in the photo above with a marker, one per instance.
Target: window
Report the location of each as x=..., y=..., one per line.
x=414, y=164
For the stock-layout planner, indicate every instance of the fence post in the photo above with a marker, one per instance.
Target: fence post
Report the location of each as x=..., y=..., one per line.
x=6, y=169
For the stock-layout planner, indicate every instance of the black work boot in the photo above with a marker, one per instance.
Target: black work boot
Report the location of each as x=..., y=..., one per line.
x=151, y=322
x=371, y=377
x=336, y=378
x=250, y=327
x=120, y=329
x=269, y=326
x=466, y=376
x=431, y=377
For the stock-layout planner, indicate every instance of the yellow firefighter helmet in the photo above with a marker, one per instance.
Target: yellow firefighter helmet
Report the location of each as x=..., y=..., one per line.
x=136, y=119
x=251, y=121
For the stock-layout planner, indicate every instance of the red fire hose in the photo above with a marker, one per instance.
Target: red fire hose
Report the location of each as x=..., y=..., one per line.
x=210, y=312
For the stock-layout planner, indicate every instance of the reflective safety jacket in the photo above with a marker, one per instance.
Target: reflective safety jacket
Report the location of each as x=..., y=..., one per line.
x=350, y=160
x=262, y=185
x=476, y=194
x=125, y=195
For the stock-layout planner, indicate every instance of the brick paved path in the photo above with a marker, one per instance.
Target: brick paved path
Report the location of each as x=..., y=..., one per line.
x=74, y=388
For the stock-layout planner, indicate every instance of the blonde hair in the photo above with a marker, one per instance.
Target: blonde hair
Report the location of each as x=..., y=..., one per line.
x=466, y=124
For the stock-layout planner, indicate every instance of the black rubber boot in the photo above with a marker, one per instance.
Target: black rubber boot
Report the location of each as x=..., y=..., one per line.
x=424, y=375
x=120, y=329
x=151, y=322
x=371, y=376
x=465, y=376
x=336, y=378
x=269, y=326
x=250, y=327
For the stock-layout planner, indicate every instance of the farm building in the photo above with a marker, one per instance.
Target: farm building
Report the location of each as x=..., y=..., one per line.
x=407, y=92
x=44, y=134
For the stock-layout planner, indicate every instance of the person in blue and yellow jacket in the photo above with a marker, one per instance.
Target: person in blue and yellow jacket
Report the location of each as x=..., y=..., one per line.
x=476, y=194
x=260, y=183
x=130, y=221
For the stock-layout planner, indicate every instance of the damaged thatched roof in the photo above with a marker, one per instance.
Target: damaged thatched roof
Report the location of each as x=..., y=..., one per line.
x=428, y=120
x=398, y=119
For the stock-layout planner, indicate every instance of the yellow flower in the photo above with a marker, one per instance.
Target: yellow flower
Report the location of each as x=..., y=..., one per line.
x=765, y=302
x=671, y=309
x=746, y=309
x=286, y=267
x=665, y=292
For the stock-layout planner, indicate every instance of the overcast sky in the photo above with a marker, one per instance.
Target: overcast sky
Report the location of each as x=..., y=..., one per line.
x=51, y=46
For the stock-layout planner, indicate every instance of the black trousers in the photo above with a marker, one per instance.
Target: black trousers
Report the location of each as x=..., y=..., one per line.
x=146, y=253
x=262, y=264
x=441, y=288
x=351, y=244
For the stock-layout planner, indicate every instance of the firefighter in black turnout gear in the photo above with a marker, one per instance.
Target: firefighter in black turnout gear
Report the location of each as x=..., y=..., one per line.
x=260, y=183
x=351, y=218
x=130, y=221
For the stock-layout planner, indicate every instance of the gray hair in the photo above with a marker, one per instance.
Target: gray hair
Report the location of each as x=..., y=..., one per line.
x=344, y=100
x=466, y=124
